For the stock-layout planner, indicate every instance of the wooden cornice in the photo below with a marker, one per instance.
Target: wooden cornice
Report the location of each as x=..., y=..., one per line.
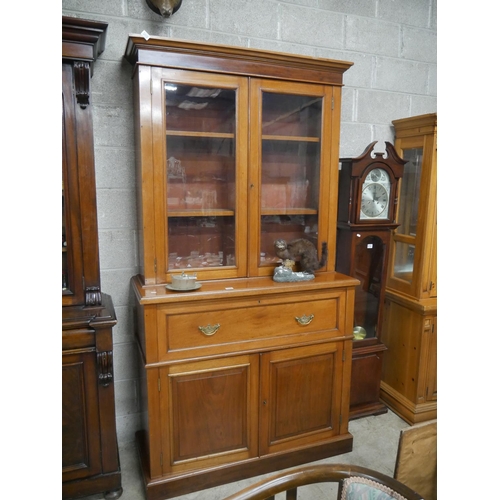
x=82, y=39
x=417, y=125
x=182, y=54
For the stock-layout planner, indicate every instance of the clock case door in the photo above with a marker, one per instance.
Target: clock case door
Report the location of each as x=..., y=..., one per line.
x=352, y=175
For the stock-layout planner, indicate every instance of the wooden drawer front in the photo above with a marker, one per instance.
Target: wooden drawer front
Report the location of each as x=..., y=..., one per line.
x=255, y=326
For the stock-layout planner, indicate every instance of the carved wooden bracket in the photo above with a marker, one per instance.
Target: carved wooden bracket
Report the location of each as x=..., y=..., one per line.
x=105, y=367
x=82, y=83
x=93, y=296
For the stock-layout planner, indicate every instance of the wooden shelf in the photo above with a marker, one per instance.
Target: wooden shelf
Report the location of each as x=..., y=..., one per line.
x=179, y=212
x=290, y=138
x=222, y=135
x=210, y=135
x=288, y=211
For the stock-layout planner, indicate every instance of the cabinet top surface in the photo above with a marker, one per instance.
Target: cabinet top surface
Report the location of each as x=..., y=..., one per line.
x=240, y=287
x=153, y=49
x=80, y=316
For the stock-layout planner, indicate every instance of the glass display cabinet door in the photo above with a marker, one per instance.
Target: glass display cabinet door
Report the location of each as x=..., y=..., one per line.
x=71, y=244
x=203, y=168
x=405, y=237
x=369, y=259
x=64, y=224
x=288, y=145
x=66, y=257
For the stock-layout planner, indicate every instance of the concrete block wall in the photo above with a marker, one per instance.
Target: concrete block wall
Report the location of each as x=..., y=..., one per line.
x=391, y=42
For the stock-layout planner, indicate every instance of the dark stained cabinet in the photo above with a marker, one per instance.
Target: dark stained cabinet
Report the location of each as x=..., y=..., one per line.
x=90, y=462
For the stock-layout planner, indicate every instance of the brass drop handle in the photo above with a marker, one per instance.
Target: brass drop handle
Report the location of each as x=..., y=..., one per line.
x=209, y=329
x=305, y=319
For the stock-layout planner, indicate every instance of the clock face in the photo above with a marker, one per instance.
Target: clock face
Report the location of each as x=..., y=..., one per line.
x=375, y=194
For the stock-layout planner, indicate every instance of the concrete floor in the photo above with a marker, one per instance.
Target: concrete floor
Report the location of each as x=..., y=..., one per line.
x=375, y=446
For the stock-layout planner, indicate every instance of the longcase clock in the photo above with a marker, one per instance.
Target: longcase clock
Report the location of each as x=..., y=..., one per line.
x=367, y=207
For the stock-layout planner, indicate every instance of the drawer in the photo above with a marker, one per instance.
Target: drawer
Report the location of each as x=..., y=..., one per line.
x=233, y=327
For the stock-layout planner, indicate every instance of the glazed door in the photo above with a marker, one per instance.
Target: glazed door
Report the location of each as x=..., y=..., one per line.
x=301, y=396
x=290, y=170
x=209, y=412
x=404, y=250
x=200, y=168
x=80, y=416
x=411, y=269
x=369, y=268
x=72, y=250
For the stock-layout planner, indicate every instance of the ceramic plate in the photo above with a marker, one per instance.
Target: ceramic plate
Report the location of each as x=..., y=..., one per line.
x=196, y=287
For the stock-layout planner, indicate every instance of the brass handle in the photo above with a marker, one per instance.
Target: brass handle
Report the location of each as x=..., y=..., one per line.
x=209, y=329
x=304, y=320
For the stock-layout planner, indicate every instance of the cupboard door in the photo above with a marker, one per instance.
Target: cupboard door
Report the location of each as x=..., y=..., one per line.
x=290, y=171
x=80, y=416
x=209, y=412
x=301, y=395
x=365, y=381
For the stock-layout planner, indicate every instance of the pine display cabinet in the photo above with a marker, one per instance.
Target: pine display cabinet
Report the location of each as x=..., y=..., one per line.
x=241, y=375
x=409, y=373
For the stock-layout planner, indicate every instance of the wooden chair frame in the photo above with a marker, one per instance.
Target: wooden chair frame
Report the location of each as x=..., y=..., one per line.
x=290, y=480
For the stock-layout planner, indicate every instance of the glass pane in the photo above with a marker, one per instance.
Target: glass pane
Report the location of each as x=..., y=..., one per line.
x=368, y=266
x=290, y=174
x=200, y=173
x=201, y=166
x=291, y=115
x=403, y=261
x=410, y=190
x=199, y=109
x=288, y=228
x=65, y=270
x=291, y=148
x=200, y=242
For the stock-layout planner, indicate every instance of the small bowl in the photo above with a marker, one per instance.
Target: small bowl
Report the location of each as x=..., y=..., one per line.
x=184, y=281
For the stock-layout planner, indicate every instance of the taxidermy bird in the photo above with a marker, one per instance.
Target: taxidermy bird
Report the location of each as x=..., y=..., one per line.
x=165, y=8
